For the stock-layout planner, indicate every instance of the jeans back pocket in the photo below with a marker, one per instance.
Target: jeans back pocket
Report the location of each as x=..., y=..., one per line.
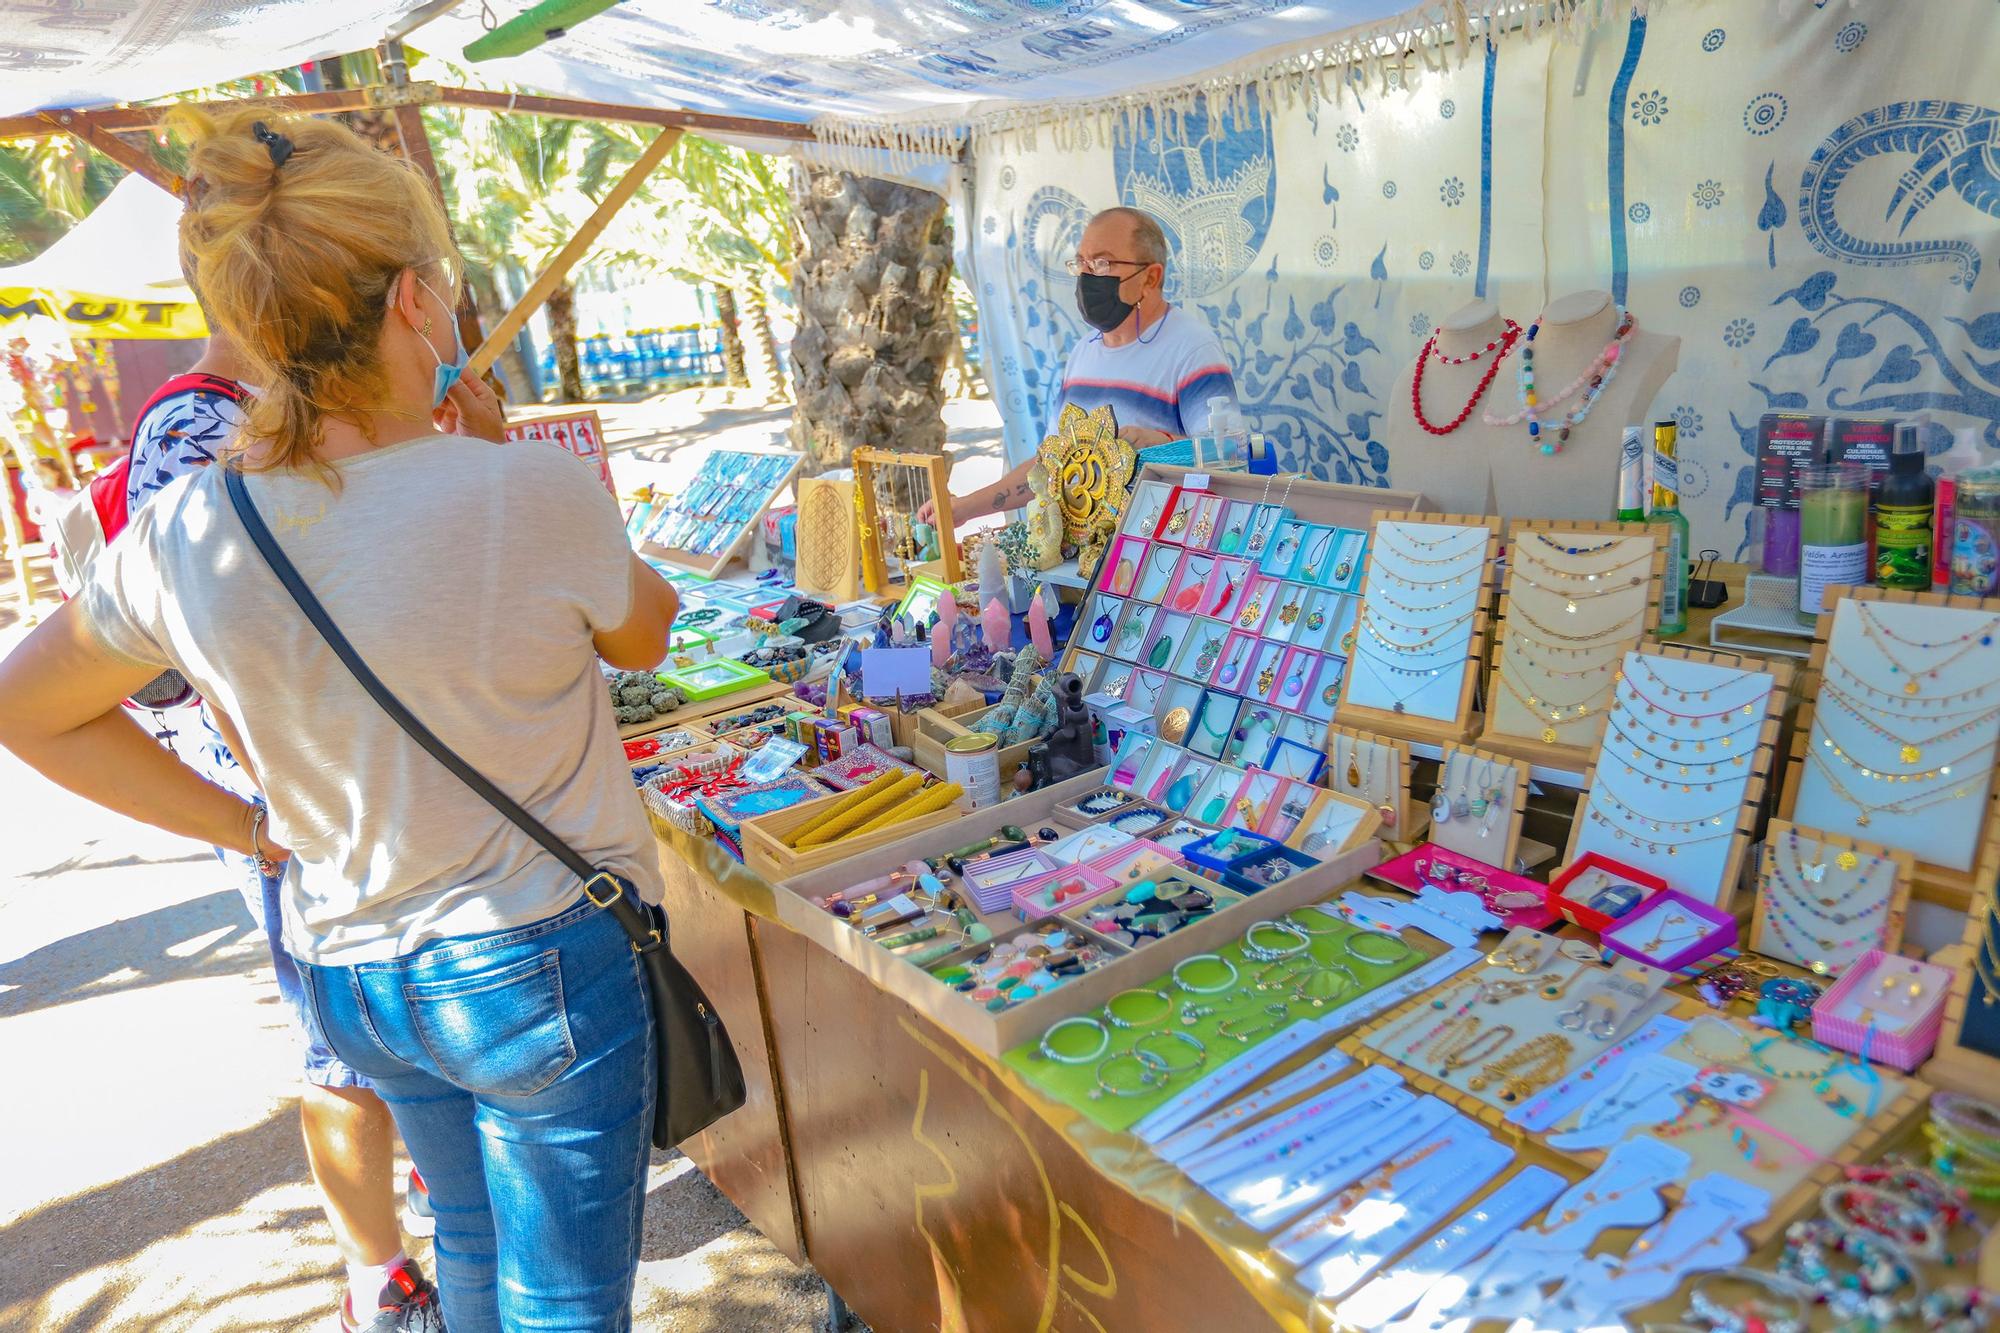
x=503, y=1031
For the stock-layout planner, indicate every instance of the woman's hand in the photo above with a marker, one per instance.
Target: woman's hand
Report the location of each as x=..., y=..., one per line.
x=472, y=408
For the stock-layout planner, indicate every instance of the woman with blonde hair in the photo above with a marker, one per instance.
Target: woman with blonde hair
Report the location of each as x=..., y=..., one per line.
x=496, y=1008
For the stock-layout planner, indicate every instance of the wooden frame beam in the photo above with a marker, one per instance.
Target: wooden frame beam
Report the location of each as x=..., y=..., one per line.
x=570, y=108
x=572, y=252
x=117, y=119
x=127, y=155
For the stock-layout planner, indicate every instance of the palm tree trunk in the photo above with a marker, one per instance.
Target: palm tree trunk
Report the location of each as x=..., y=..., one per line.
x=733, y=373
x=762, y=348
x=873, y=284
x=562, y=332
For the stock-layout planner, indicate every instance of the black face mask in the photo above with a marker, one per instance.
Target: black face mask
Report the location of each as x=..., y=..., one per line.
x=1098, y=301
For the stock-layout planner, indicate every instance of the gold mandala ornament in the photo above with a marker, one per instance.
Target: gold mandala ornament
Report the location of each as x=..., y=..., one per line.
x=1089, y=476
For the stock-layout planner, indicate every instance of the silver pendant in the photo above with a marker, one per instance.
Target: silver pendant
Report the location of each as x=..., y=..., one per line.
x=1460, y=808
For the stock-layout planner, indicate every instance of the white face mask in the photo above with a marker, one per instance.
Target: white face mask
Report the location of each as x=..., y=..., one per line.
x=448, y=372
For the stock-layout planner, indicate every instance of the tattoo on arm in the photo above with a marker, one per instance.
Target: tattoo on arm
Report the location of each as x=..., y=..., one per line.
x=1008, y=496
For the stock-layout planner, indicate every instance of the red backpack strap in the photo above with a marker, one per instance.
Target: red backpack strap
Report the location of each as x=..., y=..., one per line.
x=109, y=496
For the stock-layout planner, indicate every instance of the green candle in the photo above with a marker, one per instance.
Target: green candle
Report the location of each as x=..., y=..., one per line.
x=1833, y=532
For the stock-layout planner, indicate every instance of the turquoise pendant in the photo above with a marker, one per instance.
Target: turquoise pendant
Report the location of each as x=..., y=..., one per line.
x=1231, y=540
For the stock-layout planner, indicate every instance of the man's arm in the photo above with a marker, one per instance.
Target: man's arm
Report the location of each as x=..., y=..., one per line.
x=1010, y=492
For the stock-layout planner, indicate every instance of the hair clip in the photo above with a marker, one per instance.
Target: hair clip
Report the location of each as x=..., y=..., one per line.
x=278, y=145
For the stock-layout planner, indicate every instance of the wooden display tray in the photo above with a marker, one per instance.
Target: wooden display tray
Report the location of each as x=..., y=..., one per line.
x=1461, y=725
x=994, y=1033
x=1400, y=829
x=696, y=713
x=765, y=852
x=1533, y=748
x=1510, y=844
x=935, y=726
x=1749, y=813
x=710, y=566
x=1954, y=1066
x=1801, y=1199
x=1901, y=863
x=1931, y=883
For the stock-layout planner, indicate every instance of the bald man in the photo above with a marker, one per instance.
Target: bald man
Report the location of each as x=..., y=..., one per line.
x=1156, y=365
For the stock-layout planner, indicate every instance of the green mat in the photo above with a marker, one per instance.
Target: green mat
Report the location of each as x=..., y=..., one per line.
x=1073, y=1084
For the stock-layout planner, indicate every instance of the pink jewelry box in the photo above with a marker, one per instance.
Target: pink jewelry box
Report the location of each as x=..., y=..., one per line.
x=992, y=882
x=1255, y=602
x=1038, y=899
x=1121, y=567
x=1133, y=861
x=1227, y=586
x=1646, y=921
x=1913, y=1042
x=1432, y=864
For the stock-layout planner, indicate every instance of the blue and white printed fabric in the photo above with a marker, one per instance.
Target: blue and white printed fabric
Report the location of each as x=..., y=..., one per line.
x=1808, y=196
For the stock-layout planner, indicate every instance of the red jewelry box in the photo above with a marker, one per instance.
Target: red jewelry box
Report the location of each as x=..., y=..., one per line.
x=1403, y=872
x=1165, y=531
x=1580, y=913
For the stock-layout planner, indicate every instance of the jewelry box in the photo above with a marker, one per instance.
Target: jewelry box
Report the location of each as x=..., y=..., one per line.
x=1884, y=1007
x=1255, y=726
x=1016, y=967
x=1670, y=931
x=1247, y=862
x=1201, y=650
x=1211, y=798
x=1127, y=558
x=1169, y=633
x=1296, y=677
x=1282, y=555
x=1262, y=677
x=1148, y=507
x=1282, y=621
x=1291, y=758
x=1235, y=526
x=1264, y=522
x=1072, y=887
x=1343, y=568
x=1186, y=590
x=1315, y=552
x=1518, y=902
x=1233, y=664
x=1583, y=880
x=1134, y=628
x=1170, y=903
x=992, y=881
x=1249, y=807
x=1257, y=603
x=1206, y=527
x=1099, y=620
x=1091, y=807
x=1156, y=571
x=1178, y=520
x=1214, y=724
x=1228, y=586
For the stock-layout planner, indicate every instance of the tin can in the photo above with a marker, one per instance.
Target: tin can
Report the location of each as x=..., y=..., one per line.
x=973, y=762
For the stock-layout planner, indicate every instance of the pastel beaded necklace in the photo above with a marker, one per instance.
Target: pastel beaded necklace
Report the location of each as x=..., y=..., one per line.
x=1536, y=407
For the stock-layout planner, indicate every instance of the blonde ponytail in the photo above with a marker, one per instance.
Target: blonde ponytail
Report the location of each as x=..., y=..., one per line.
x=295, y=232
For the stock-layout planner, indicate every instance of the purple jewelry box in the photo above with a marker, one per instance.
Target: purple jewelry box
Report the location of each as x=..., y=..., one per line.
x=1645, y=923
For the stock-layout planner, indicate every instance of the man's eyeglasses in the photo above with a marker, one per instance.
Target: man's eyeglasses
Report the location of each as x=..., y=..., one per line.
x=1103, y=268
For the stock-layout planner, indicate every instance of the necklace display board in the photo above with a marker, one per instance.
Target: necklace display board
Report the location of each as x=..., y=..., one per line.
x=1968, y=1049
x=709, y=522
x=1575, y=598
x=1897, y=729
x=1824, y=900
x=1422, y=625
x=1377, y=770
x=1513, y=1062
x=887, y=525
x=1681, y=769
x=829, y=540
x=1481, y=800
x=580, y=431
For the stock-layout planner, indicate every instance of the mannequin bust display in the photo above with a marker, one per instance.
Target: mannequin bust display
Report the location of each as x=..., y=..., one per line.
x=1479, y=468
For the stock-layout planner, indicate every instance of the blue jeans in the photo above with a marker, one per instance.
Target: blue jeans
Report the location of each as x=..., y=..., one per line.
x=519, y=1067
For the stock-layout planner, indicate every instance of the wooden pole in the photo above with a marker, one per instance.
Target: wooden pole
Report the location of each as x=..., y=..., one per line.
x=571, y=253
x=129, y=156
x=570, y=108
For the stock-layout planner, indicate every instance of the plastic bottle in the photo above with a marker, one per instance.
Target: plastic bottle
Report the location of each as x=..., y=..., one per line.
x=1227, y=425
x=1667, y=509
x=1962, y=457
x=1631, y=505
x=1904, y=514
x=1833, y=533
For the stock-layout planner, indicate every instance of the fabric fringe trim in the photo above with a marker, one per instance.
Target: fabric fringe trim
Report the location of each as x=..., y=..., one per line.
x=1434, y=36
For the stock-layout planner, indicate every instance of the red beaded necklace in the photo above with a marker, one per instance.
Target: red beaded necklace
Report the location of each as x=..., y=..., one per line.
x=1500, y=346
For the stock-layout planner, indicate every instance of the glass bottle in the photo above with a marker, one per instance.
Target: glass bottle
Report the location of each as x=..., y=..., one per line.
x=1667, y=509
x=1833, y=532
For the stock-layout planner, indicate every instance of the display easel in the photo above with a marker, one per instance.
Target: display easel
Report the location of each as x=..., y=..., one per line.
x=868, y=466
x=1955, y=1065
x=1931, y=882
x=1867, y=1142
x=711, y=566
x=1514, y=778
x=577, y=430
x=1900, y=864
x=1754, y=785
x=1532, y=747
x=1461, y=726
x=1399, y=828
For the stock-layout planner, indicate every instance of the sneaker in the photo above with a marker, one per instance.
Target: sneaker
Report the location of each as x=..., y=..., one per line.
x=407, y=1302
x=418, y=1219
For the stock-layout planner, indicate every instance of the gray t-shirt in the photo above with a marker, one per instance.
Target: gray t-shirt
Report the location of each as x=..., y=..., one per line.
x=471, y=577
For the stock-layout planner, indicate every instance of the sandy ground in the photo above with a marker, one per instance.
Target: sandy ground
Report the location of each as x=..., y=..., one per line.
x=150, y=1170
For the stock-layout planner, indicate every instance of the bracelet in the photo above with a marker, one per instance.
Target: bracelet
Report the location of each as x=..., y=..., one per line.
x=1192, y=989
x=1047, y=1050
x=1906, y=1225
x=1279, y=1015
x=1867, y=1293
x=265, y=865
x=1166, y=1067
x=1111, y=1013
x=1302, y=984
x=1265, y=954
x=1751, y=1313
x=1149, y=1078
x=1401, y=948
x=1293, y=919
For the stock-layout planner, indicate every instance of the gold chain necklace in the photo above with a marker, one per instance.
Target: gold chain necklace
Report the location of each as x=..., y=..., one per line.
x=1645, y=668
x=1875, y=774
x=1428, y=641
x=1662, y=825
x=1537, y=705
x=1570, y=599
x=1596, y=638
x=1909, y=749
x=1881, y=636
x=1526, y=558
x=1403, y=533
x=1909, y=805
x=1527, y=1068
x=1900, y=697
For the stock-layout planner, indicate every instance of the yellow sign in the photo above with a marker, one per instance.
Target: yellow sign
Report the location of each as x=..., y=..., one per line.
x=85, y=315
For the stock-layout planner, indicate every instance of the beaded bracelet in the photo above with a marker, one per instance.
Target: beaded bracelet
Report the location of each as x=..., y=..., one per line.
x=1261, y=953
x=1193, y=989
x=1047, y=1050
x=1752, y=1315
x=1909, y=1226
x=1869, y=1292
x=1401, y=948
x=1166, y=1067
x=1149, y=1077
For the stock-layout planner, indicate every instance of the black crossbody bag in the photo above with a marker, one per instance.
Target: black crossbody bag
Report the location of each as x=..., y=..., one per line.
x=699, y=1077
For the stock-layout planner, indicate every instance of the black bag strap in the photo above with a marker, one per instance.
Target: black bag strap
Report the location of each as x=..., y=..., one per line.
x=595, y=881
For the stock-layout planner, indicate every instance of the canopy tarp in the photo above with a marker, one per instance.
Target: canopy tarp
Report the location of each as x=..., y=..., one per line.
x=116, y=274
